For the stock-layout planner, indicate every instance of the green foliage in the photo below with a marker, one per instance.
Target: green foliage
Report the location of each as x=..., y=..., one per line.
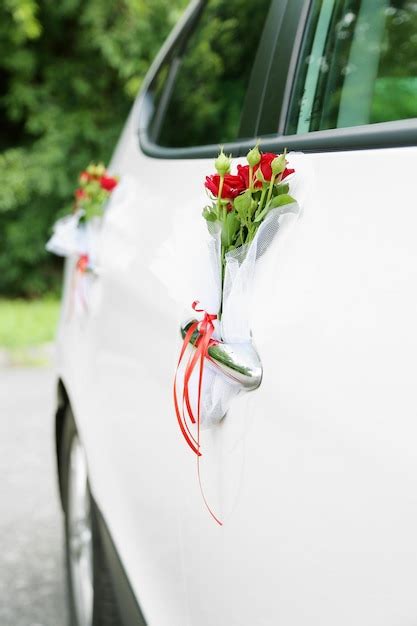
x=214, y=73
x=69, y=71
x=27, y=323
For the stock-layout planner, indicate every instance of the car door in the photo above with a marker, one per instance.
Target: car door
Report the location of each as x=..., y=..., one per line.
x=142, y=477
x=313, y=473
x=333, y=426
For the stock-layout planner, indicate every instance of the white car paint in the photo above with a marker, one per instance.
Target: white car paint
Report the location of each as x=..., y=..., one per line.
x=315, y=473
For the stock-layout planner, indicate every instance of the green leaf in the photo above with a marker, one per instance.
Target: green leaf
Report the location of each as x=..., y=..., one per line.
x=243, y=203
x=262, y=214
x=276, y=202
x=281, y=200
x=281, y=189
x=208, y=215
x=230, y=228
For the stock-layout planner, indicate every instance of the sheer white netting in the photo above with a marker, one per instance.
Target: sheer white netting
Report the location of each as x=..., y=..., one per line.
x=66, y=238
x=191, y=272
x=72, y=237
x=234, y=327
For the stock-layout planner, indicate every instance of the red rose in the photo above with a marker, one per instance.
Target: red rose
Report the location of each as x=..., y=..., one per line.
x=265, y=165
x=232, y=185
x=108, y=183
x=243, y=173
x=287, y=172
x=80, y=193
x=266, y=169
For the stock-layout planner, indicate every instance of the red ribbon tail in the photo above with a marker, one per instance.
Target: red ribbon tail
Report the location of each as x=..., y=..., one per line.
x=206, y=330
x=181, y=423
x=180, y=414
x=216, y=519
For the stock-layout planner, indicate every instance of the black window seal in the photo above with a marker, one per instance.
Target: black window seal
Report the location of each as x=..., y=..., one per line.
x=398, y=134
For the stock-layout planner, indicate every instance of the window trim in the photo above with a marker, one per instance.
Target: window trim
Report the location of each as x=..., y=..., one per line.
x=400, y=133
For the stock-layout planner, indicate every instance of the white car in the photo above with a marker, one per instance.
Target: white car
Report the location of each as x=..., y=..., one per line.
x=315, y=472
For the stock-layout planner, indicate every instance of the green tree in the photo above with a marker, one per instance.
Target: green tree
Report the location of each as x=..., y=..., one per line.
x=69, y=71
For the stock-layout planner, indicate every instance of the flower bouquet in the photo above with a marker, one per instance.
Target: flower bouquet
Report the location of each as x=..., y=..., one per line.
x=74, y=234
x=218, y=359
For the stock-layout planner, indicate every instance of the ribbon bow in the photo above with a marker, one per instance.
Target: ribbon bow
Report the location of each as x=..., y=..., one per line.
x=205, y=328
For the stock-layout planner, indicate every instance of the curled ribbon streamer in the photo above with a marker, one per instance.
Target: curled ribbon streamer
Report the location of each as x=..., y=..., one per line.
x=205, y=329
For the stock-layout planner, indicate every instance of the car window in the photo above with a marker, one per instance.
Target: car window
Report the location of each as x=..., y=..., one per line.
x=199, y=95
x=358, y=65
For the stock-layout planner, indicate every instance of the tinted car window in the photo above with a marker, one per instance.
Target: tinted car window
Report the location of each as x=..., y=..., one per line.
x=358, y=66
x=199, y=96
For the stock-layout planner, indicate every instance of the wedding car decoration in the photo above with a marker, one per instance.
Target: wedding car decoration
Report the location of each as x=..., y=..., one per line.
x=218, y=359
x=74, y=234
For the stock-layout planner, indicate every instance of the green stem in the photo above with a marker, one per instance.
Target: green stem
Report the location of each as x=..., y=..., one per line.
x=271, y=186
x=261, y=201
x=219, y=195
x=222, y=217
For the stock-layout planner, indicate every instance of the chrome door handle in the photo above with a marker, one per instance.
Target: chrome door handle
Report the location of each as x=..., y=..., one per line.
x=238, y=361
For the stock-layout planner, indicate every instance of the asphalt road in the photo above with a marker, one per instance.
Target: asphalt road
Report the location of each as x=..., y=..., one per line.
x=32, y=590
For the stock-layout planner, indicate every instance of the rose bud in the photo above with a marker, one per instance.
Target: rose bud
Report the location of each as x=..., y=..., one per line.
x=254, y=156
x=91, y=170
x=84, y=177
x=278, y=164
x=222, y=164
x=100, y=170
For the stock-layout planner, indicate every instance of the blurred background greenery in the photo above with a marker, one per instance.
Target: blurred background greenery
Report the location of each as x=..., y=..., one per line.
x=69, y=72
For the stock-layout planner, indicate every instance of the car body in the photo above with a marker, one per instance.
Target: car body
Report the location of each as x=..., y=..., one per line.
x=315, y=471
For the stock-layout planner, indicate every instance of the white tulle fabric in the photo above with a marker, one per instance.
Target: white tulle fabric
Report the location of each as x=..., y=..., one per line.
x=192, y=272
x=234, y=327
x=73, y=238
x=68, y=236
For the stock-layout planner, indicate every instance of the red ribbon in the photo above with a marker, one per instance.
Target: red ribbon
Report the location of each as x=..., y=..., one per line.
x=82, y=263
x=205, y=328
x=81, y=268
